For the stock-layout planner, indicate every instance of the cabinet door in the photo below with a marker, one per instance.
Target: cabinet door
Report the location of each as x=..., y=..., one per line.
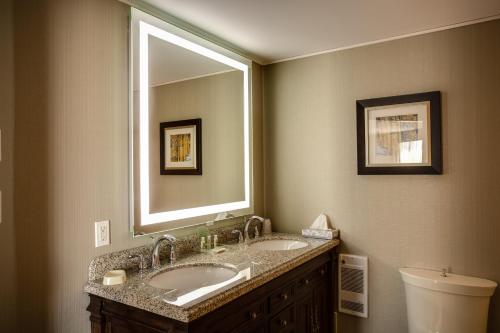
x=321, y=313
x=283, y=322
x=304, y=313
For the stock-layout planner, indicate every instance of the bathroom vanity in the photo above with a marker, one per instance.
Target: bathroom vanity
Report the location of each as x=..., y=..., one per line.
x=275, y=291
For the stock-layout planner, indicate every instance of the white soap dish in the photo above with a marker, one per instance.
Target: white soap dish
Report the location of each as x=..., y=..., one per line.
x=112, y=278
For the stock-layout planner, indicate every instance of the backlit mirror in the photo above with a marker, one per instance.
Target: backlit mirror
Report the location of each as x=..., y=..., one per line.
x=190, y=128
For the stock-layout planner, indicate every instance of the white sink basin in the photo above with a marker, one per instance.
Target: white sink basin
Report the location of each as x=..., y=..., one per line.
x=192, y=277
x=192, y=284
x=278, y=245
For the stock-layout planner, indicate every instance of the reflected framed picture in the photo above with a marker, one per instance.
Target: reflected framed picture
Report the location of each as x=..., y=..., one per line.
x=180, y=147
x=399, y=134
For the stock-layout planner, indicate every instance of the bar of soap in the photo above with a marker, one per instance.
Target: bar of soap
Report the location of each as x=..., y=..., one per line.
x=218, y=250
x=112, y=278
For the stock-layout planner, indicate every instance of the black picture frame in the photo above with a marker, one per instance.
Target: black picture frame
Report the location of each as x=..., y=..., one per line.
x=436, y=160
x=196, y=124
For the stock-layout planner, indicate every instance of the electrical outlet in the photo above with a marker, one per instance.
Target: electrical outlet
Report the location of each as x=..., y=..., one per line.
x=102, y=233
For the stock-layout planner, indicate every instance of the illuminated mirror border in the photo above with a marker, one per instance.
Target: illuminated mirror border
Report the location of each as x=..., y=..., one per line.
x=146, y=30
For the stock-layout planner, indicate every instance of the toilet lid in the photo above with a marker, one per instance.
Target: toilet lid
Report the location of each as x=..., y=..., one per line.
x=452, y=283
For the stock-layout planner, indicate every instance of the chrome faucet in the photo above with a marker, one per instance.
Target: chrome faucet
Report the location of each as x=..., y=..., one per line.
x=248, y=222
x=155, y=253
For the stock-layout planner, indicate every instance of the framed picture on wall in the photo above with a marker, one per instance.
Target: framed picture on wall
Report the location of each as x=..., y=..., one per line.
x=399, y=134
x=180, y=147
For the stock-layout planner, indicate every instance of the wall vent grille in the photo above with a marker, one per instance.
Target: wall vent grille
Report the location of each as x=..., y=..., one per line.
x=353, y=306
x=353, y=278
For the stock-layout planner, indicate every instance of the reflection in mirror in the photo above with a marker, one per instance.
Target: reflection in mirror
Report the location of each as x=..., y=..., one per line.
x=190, y=120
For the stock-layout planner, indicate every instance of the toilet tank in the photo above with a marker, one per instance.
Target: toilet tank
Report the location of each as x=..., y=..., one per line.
x=451, y=304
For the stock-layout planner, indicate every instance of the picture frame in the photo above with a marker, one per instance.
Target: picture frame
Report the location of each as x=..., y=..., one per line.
x=180, y=147
x=399, y=135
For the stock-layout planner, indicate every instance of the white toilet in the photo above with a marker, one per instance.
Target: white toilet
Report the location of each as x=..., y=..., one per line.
x=446, y=304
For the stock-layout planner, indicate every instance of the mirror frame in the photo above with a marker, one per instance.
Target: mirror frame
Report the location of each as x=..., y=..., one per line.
x=189, y=41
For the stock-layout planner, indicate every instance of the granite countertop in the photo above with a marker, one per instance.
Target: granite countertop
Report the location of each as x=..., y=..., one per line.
x=255, y=268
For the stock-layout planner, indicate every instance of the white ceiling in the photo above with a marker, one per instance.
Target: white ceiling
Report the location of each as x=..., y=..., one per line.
x=274, y=30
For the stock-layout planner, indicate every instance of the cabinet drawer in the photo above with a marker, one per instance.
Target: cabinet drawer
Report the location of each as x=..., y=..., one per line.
x=117, y=325
x=253, y=327
x=283, y=321
x=305, y=283
x=243, y=315
x=281, y=298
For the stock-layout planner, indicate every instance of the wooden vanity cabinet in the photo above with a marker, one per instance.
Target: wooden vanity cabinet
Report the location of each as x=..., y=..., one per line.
x=301, y=300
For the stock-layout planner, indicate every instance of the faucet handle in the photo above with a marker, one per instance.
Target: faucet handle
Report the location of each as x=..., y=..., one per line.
x=142, y=261
x=240, y=235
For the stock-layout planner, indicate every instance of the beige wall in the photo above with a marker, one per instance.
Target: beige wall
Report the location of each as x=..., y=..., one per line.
x=218, y=101
x=7, y=235
x=71, y=153
x=425, y=221
x=257, y=125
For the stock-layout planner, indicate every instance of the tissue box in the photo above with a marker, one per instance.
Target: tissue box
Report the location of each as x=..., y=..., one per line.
x=321, y=233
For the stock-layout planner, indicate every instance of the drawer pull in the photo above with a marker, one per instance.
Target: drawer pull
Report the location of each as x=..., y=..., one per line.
x=253, y=315
x=322, y=272
x=306, y=281
x=284, y=296
x=283, y=323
